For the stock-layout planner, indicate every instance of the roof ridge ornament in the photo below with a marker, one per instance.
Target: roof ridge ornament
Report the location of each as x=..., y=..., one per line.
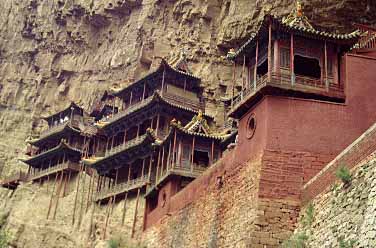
x=297, y=18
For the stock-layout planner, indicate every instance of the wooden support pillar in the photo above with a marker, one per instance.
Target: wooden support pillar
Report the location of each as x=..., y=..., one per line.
x=138, y=130
x=157, y=126
x=270, y=54
x=193, y=152
x=243, y=76
x=143, y=92
x=163, y=80
x=125, y=136
x=91, y=181
x=76, y=196
x=58, y=194
x=168, y=157
x=82, y=195
x=158, y=164
x=126, y=196
x=174, y=151
x=292, y=59
x=255, y=69
x=180, y=152
x=108, y=210
x=163, y=158
x=65, y=185
x=326, y=66
x=185, y=84
x=135, y=213
x=130, y=98
x=52, y=195
x=150, y=164
x=233, y=84
x=212, y=153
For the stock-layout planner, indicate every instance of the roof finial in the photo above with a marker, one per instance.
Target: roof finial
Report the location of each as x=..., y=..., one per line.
x=297, y=17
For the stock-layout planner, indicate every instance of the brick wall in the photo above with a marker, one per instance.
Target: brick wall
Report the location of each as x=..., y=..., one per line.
x=352, y=155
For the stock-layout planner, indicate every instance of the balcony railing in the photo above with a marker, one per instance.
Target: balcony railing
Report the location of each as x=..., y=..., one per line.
x=55, y=169
x=183, y=101
x=14, y=179
x=283, y=80
x=124, y=146
x=193, y=172
x=122, y=187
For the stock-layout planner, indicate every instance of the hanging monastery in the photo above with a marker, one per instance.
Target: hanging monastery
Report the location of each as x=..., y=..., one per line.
x=300, y=96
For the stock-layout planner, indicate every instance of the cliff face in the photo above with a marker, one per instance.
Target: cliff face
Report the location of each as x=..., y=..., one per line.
x=56, y=51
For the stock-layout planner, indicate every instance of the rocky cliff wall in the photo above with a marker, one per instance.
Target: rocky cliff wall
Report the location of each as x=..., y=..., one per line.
x=56, y=51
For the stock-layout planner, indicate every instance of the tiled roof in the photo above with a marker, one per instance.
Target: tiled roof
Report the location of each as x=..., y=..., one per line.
x=62, y=146
x=294, y=27
x=163, y=64
x=72, y=104
x=156, y=97
x=54, y=131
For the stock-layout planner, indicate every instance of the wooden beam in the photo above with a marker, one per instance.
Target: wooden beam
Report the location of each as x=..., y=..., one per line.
x=157, y=126
x=52, y=195
x=193, y=152
x=143, y=92
x=76, y=196
x=270, y=54
x=58, y=194
x=135, y=213
x=292, y=59
x=255, y=69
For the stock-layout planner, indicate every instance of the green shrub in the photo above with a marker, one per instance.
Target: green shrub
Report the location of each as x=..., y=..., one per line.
x=113, y=243
x=346, y=244
x=308, y=217
x=344, y=174
x=297, y=240
x=4, y=239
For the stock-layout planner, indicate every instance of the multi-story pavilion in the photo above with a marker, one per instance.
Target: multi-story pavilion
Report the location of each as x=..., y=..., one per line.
x=289, y=57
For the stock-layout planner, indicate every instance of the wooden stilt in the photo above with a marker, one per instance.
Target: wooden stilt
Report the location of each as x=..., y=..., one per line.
x=107, y=217
x=58, y=194
x=82, y=195
x=52, y=196
x=135, y=213
x=158, y=161
x=233, y=84
x=124, y=209
x=65, y=185
x=174, y=151
x=255, y=69
x=162, y=163
x=69, y=178
x=143, y=92
x=150, y=164
x=88, y=193
x=76, y=196
x=157, y=126
x=212, y=152
x=193, y=152
x=168, y=157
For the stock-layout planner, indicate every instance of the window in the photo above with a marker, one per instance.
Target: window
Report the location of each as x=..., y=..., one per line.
x=251, y=126
x=308, y=67
x=153, y=202
x=201, y=158
x=285, y=58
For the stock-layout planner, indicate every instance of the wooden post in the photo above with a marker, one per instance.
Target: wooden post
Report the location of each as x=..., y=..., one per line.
x=255, y=69
x=174, y=151
x=130, y=99
x=76, y=196
x=163, y=80
x=157, y=126
x=150, y=164
x=91, y=181
x=52, y=196
x=65, y=184
x=233, y=84
x=108, y=210
x=168, y=157
x=135, y=213
x=143, y=92
x=292, y=59
x=270, y=54
x=180, y=152
x=158, y=161
x=326, y=66
x=83, y=195
x=163, y=158
x=193, y=152
x=243, y=76
x=125, y=136
x=58, y=194
x=138, y=130
x=185, y=84
x=124, y=208
x=212, y=152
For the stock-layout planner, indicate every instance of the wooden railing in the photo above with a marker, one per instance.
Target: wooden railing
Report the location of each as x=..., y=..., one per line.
x=54, y=169
x=183, y=101
x=283, y=80
x=193, y=171
x=367, y=39
x=124, y=146
x=122, y=187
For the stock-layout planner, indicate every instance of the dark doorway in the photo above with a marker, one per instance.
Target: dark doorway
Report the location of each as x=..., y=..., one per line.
x=201, y=158
x=308, y=67
x=262, y=69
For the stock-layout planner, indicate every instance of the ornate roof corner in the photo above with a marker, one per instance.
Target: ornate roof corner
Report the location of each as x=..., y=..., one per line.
x=180, y=62
x=198, y=124
x=297, y=18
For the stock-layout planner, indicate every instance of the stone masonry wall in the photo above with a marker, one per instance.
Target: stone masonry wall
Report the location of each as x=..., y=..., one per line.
x=345, y=214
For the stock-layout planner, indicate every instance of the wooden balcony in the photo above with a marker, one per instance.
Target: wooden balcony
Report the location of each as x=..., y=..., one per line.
x=65, y=167
x=281, y=84
x=184, y=101
x=122, y=188
x=13, y=181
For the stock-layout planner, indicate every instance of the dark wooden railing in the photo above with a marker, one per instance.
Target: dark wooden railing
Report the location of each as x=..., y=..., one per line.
x=283, y=80
x=367, y=39
x=54, y=169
